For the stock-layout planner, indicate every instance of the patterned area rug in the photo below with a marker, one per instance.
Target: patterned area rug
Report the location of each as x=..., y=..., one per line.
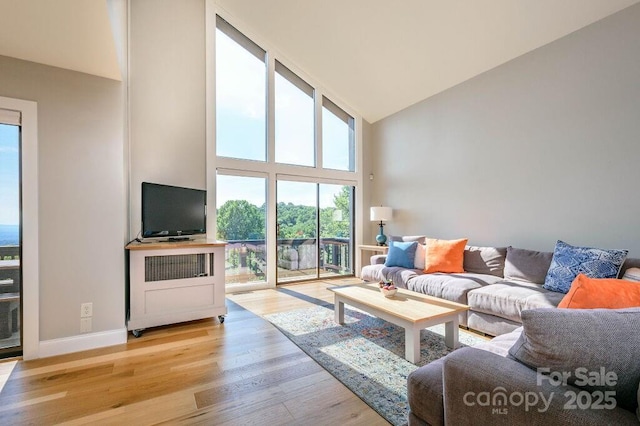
x=366, y=354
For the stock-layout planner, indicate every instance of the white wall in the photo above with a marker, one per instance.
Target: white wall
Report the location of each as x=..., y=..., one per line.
x=167, y=97
x=544, y=147
x=81, y=184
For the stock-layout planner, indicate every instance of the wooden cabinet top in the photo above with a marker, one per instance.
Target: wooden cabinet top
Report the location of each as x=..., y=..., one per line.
x=164, y=245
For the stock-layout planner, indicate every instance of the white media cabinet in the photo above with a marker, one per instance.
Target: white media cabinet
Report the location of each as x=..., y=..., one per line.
x=173, y=282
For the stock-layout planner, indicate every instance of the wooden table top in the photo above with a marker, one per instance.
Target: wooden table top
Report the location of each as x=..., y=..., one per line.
x=162, y=245
x=371, y=247
x=405, y=304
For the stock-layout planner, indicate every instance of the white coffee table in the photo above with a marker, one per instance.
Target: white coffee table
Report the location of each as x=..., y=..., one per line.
x=407, y=309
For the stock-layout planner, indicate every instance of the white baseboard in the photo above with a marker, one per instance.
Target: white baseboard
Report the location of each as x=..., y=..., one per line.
x=82, y=342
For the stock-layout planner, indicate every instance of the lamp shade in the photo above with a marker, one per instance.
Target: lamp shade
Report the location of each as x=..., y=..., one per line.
x=381, y=214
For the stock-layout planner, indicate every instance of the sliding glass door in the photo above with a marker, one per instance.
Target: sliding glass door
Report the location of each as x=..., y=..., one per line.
x=336, y=229
x=297, y=223
x=314, y=230
x=10, y=241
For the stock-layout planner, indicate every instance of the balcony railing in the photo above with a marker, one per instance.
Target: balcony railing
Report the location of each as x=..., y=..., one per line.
x=9, y=252
x=9, y=269
x=246, y=259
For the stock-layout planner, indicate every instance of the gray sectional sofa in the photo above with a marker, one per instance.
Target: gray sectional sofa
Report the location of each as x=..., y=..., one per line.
x=497, y=285
x=513, y=379
x=488, y=384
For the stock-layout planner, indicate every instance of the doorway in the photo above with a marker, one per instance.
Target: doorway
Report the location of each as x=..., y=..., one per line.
x=10, y=241
x=314, y=227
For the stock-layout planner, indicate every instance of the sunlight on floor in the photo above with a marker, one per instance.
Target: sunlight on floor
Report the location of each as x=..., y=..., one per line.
x=6, y=368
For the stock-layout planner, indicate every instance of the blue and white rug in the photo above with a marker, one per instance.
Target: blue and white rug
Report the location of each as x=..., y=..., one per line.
x=366, y=353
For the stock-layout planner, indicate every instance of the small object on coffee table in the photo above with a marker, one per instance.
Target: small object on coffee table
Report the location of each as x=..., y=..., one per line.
x=387, y=288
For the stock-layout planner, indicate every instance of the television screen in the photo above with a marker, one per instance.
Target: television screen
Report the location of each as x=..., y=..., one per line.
x=171, y=211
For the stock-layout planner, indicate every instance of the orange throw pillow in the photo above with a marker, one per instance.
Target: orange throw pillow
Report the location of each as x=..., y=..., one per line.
x=444, y=255
x=607, y=293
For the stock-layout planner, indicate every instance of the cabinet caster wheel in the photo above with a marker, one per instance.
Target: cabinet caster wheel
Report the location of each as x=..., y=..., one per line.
x=136, y=333
x=221, y=318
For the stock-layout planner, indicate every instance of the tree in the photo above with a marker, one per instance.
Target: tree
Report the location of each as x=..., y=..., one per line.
x=240, y=220
x=336, y=221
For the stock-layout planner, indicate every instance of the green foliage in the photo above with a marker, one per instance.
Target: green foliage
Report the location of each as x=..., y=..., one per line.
x=335, y=222
x=241, y=220
x=296, y=221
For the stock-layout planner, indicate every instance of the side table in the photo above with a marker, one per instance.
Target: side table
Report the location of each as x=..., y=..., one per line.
x=366, y=248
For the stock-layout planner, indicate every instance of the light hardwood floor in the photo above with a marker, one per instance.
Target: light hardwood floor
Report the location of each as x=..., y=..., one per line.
x=241, y=372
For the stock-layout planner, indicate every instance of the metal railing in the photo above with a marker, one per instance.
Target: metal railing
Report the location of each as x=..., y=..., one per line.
x=245, y=260
x=9, y=252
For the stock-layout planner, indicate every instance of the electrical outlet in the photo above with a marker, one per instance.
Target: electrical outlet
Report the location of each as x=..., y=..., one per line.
x=85, y=325
x=86, y=310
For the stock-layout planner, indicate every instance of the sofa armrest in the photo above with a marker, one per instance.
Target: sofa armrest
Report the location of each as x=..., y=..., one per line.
x=484, y=388
x=378, y=259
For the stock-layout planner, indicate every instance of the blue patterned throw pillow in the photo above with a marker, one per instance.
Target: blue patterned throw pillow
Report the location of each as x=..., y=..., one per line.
x=569, y=261
x=401, y=254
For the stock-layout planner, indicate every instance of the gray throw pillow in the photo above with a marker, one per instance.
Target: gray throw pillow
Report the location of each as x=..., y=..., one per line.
x=527, y=265
x=566, y=340
x=485, y=260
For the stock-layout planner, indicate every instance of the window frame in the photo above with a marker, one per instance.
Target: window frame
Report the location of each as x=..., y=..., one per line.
x=270, y=168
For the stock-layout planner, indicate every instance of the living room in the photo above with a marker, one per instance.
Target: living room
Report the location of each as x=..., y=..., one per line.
x=523, y=151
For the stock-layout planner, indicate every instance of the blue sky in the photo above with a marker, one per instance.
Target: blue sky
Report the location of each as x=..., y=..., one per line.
x=9, y=175
x=241, y=127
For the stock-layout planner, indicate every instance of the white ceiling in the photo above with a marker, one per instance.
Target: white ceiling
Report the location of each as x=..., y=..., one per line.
x=376, y=56
x=381, y=56
x=71, y=34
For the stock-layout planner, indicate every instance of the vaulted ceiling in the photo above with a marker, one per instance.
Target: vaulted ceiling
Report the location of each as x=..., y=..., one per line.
x=377, y=56
x=71, y=34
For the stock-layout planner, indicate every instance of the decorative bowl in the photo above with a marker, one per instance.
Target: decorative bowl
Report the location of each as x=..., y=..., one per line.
x=388, y=293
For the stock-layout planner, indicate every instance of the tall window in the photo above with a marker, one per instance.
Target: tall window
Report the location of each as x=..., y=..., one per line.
x=338, y=138
x=285, y=149
x=295, y=141
x=241, y=91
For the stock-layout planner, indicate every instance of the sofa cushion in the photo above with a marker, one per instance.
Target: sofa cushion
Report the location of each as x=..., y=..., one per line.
x=491, y=324
x=507, y=299
x=444, y=255
x=485, y=260
x=629, y=262
x=526, y=265
x=377, y=273
x=420, y=239
x=568, y=261
x=424, y=392
x=566, y=340
x=500, y=345
x=453, y=287
x=610, y=293
x=632, y=274
x=420, y=258
x=401, y=254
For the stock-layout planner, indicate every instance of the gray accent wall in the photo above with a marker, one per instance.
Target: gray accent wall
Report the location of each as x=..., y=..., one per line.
x=167, y=97
x=80, y=189
x=544, y=147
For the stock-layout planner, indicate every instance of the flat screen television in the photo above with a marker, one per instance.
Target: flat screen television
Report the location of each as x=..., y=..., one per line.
x=172, y=211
